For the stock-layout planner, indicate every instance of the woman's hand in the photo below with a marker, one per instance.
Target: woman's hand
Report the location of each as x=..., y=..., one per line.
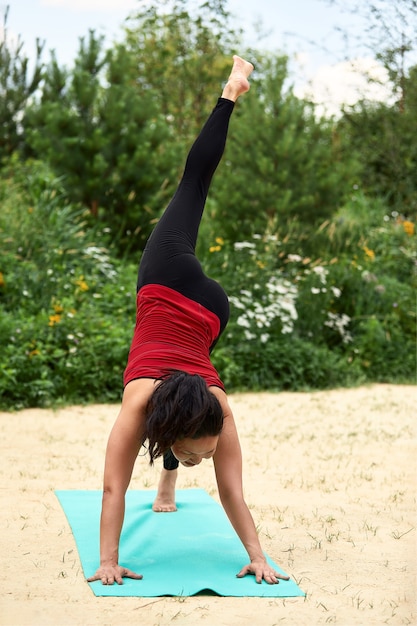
x=109, y=574
x=262, y=571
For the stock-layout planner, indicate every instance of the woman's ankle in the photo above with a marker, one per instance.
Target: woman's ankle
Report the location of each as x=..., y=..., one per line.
x=238, y=83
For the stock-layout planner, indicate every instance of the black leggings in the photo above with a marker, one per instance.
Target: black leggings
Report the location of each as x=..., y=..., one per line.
x=169, y=257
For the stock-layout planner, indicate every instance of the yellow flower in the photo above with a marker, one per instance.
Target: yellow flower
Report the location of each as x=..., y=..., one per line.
x=58, y=308
x=1, y=279
x=215, y=248
x=408, y=227
x=220, y=241
x=81, y=284
x=34, y=352
x=54, y=319
x=261, y=264
x=369, y=253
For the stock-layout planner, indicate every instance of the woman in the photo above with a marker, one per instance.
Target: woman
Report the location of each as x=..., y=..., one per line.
x=173, y=396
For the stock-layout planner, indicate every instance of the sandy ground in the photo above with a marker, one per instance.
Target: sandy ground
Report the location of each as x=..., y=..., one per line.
x=330, y=478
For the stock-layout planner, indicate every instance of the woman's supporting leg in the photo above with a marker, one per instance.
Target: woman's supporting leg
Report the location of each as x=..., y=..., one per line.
x=165, y=497
x=170, y=462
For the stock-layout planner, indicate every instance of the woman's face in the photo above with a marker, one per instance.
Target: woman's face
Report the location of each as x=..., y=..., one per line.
x=190, y=452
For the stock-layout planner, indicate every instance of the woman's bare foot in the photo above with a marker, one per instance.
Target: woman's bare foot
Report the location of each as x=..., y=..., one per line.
x=238, y=80
x=165, y=497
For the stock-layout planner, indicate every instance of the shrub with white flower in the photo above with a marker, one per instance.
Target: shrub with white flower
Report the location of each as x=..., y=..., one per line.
x=321, y=272
x=261, y=307
x=339, y=323
x=103, y=262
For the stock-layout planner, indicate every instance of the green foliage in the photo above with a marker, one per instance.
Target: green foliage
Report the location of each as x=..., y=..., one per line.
x=117, y=128
x=117, y=125
x=64, y=302
x=108, y=143
x=184, y=56
x=382, y=139
x=16, y=88
x=68, y=305
x=281, y=164
x=299, y=322
x=280, y=364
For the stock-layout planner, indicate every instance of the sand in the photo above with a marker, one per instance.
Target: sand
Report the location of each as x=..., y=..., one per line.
x=330, y=478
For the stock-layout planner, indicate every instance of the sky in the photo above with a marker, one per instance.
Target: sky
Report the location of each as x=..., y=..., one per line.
x=306, y=30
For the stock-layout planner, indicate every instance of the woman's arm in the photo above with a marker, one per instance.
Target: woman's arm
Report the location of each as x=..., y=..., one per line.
x=228, y=467
x=121, y=453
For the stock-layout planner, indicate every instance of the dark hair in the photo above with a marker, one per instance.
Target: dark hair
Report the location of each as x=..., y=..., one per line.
x=181, y=406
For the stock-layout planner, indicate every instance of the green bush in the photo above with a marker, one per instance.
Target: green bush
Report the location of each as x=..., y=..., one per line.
x=284, y=364
x=66, y=354
x=67, y=307
x=299, y=321
x=67, y=304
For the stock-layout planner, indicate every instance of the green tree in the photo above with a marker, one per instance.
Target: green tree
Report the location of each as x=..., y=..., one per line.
x=382, y=136
x=184, y=55
x=16, y=88
x=282, y=165
x=118, y=126
x=106, y=137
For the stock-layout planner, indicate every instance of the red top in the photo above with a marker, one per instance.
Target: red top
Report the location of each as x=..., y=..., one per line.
x=171, y=332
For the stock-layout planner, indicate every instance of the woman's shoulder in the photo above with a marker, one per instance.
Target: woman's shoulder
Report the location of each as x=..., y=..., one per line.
x=138, y=391
x=222, y=398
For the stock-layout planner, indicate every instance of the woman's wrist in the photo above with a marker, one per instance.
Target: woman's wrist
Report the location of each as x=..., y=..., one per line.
x=109, y=557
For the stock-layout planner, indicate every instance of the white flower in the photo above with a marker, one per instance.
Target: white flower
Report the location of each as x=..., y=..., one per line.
x=262, y=320
x=236, y=302
x=242, y=320
x=103, y=261
x=241, y=245
x=339, y=323
x=321, y=273
x=289, y=307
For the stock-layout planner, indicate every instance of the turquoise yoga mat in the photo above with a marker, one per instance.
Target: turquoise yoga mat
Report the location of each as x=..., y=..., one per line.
x=194, y=550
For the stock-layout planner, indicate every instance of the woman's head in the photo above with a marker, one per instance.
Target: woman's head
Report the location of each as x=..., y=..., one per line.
x=181, y=408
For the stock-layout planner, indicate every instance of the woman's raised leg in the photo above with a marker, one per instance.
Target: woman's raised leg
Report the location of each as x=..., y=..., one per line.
x=177, y=230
